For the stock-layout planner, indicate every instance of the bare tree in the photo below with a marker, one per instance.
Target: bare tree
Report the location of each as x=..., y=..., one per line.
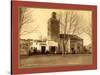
x=88, y=30
x=71, y=25
x=25, y=18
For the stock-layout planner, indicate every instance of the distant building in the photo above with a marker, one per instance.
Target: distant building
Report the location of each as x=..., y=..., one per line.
x=52, y=46
x=44, y=46
x=41, y=46
x=88, y=48
x=24, y=46
x=73, y=43
x=53, y=27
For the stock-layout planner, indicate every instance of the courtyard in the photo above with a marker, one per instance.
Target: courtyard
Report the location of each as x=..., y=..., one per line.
x=55, y=60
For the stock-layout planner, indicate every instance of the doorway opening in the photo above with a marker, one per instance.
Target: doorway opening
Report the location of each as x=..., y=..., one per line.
x=52, y=49
x=43, y=49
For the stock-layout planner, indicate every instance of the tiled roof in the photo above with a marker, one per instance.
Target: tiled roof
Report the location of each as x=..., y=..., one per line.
x=75, y=37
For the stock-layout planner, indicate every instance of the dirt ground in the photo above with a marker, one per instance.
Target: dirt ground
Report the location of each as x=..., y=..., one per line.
x=36, y=61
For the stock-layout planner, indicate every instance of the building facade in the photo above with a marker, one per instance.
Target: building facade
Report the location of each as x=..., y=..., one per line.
x=24, y=46
x=53, y=27
x=72, y=43
x=45, y=46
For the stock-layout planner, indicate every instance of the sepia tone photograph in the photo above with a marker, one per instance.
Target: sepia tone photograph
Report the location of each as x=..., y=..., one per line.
x=54, y=37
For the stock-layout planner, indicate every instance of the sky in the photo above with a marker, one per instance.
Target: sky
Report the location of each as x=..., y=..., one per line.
x=40, y=18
